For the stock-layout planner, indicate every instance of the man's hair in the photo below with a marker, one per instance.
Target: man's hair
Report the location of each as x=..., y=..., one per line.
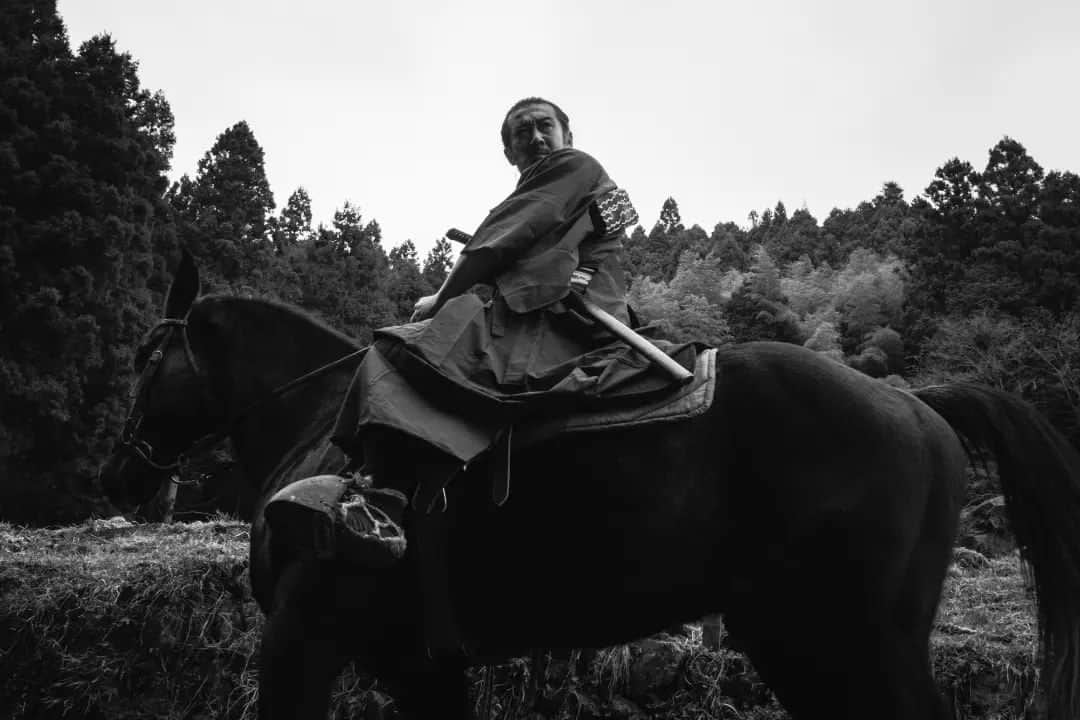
x=559, y=115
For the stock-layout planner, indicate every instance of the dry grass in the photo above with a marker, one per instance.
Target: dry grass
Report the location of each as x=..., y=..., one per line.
x=107, y=620
x=119, y=621
x=985, y=639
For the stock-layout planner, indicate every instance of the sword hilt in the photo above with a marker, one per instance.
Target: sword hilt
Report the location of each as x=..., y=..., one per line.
x=458, y=236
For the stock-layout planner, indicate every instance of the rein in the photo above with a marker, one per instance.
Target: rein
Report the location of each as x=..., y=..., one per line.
x=144, y=451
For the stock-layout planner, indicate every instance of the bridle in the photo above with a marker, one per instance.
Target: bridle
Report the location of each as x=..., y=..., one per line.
x=141, y=448
x=129, y=435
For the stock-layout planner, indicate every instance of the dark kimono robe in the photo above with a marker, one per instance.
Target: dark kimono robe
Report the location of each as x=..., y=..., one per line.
x=460, y=378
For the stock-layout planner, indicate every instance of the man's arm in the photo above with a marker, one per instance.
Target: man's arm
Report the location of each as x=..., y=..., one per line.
x=544, y=199
x=470, y=269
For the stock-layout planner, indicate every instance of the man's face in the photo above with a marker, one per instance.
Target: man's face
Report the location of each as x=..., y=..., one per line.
x=535, y=131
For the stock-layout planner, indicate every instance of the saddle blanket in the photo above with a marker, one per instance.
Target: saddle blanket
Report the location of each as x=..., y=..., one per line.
x=686, y=401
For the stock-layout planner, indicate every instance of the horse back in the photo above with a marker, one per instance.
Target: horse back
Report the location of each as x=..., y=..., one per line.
x=819, y=437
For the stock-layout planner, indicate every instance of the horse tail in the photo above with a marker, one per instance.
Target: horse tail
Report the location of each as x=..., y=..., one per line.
x=1040, y=478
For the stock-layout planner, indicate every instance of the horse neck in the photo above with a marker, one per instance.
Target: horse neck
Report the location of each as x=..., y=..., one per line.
x=260, y=347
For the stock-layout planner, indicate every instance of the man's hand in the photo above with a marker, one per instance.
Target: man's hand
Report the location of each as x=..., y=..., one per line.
x=579, y=279
x=424, y=308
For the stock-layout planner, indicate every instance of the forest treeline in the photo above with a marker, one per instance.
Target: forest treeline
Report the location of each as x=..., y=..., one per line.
x=977, y=278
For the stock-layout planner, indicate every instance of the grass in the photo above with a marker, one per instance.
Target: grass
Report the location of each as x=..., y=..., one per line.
x=111, y=620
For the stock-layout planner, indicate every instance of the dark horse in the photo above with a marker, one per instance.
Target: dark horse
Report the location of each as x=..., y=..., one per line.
x=814, y=507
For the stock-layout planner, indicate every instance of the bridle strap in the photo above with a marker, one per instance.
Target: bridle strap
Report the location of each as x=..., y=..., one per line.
x=183, y=325
x=144, y=451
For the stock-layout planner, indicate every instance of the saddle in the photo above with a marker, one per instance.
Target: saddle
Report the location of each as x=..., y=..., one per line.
x=684, y=402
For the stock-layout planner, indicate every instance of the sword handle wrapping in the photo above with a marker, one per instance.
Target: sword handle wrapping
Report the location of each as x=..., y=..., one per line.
x=458, y=236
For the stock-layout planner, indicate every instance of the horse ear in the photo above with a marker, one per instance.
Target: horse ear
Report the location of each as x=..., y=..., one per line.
x=184, y=288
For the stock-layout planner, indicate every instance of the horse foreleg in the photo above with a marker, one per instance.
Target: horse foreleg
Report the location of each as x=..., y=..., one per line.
x=299, y=658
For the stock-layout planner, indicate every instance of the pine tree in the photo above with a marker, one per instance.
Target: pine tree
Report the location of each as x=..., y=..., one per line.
x=758, y=309
x=657, y=255
x=728, y=244
x=294, y=224
x=81, y=178
x=438, y=262
x=356, y=300
x=224, y=214
x=407, y=284
x=670, y=220
x=938, y=252
x=1056, y=251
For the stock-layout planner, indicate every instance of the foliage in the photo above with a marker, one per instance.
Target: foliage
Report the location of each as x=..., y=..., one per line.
x=437, y=263
x=789, y=239
x=83, y=154
x=407, y=282
x=223, y=214
x=758, y=309
x=658, y=254
x=883, y=225
x=293, y=226
x=89, y=227
x=1000, y=240
x=679, y=316
x=670, y=220
x=869, y=293
x=1035, y=356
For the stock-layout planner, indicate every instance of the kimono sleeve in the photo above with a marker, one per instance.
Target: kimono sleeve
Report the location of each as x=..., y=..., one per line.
x=551, y=194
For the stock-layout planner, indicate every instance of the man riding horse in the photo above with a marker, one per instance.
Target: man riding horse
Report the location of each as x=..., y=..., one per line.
x=815, y=507
x=449, y=385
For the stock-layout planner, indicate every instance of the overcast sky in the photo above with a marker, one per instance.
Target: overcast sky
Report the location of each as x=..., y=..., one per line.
x=726, y=106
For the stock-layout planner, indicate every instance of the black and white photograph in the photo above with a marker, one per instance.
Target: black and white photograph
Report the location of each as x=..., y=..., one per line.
x=579, y=360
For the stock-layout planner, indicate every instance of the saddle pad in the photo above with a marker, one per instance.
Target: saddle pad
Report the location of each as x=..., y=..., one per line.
x=686, y=402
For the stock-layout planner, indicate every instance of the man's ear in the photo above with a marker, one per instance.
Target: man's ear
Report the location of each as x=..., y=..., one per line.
x=508, y=155
x=569, y=138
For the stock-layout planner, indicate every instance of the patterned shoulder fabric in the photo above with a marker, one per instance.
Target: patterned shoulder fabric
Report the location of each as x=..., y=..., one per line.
x=615, y=210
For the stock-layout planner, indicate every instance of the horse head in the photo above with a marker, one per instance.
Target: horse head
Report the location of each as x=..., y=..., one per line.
x=172, y=404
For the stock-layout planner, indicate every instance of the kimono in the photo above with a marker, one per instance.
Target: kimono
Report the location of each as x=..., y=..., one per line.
x=461, y=378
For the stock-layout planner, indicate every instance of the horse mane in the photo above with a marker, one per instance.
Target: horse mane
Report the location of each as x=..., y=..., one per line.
x=293, y=313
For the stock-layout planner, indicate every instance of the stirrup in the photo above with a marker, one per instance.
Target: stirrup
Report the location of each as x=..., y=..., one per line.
x=369, y=522
x=341, y=519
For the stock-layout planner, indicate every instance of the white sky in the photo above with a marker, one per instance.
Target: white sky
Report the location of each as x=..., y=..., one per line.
x=726, y=106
